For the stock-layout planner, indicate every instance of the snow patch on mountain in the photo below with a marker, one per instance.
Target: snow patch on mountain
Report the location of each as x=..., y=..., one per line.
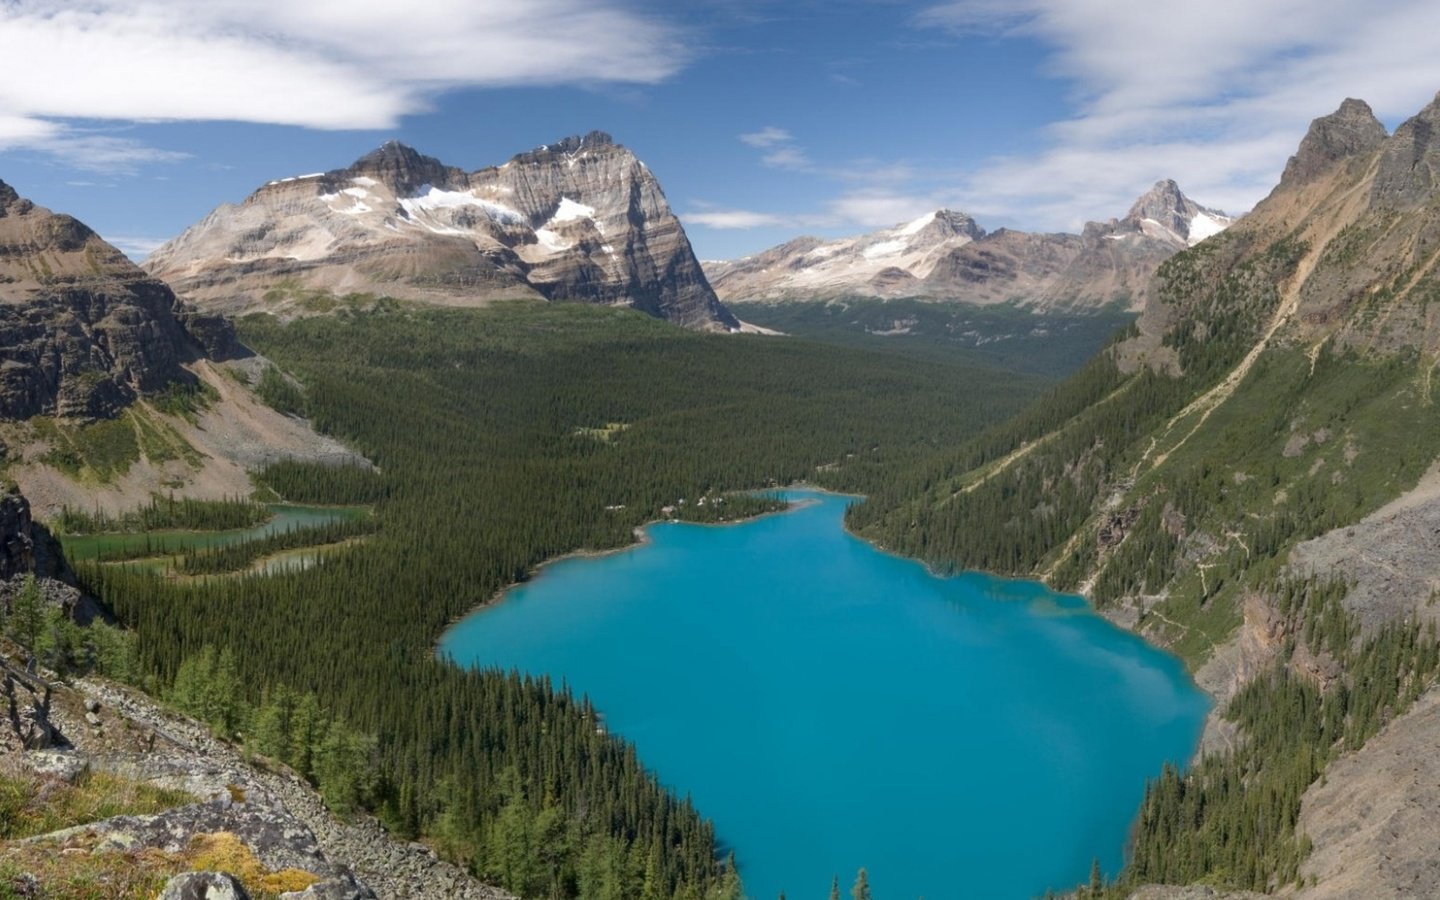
x=1207, y=224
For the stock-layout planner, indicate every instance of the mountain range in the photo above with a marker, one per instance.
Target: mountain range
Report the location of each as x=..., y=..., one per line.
x=581, y=220
x=945, y=255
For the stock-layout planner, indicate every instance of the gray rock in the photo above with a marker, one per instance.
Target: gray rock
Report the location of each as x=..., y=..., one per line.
x=25, y=712
x=63, y=765
x=343, y=888
x=203, y=886
x=278, y=839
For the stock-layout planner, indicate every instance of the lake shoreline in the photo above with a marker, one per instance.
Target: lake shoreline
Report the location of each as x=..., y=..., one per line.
x=642, y=539
x=595, y=609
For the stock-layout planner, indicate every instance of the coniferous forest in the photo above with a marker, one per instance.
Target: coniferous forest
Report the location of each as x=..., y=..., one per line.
x=502, y=438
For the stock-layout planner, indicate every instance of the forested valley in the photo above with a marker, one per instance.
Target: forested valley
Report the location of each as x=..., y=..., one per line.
x=502, y=438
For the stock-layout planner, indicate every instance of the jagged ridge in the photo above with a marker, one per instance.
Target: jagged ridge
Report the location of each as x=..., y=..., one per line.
x=945, y=255
x=582, y=220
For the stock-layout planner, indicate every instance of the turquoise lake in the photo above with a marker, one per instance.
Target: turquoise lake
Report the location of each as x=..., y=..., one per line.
x=830, y=706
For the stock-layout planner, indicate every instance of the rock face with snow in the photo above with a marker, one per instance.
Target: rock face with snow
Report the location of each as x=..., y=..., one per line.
x=887, y=263
x=579, y=221
x=946, y=256
x=83, y=331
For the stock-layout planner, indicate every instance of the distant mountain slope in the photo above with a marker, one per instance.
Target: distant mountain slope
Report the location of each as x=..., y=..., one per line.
x=946, y=256
x=1216, y=481
x=582, y=220
x=111, y=389
x=83, y=331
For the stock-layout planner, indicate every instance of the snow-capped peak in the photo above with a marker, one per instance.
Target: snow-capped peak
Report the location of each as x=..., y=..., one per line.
x=917, y=225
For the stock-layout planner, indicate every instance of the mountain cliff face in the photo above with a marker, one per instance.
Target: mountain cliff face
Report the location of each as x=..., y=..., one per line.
x=579, y=221
x=1254, y=480
x=17, y=546
x=946, y=256
x=83, y=330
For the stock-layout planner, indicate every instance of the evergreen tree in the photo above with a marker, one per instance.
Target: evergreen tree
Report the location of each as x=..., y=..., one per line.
x=27, y=617
x=835, y=887
x=861, y=890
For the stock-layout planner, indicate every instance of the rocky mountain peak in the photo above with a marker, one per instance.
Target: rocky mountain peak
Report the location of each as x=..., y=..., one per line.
x=83, y=331
x=403, y=168
x=595, y=141
x=1165, y=212
x=949, y=223
x=1163, y=202
x=575, y=143
x=1352, y=130
x=8, y=197
x=73, y=254
x=580, y=220
x=1409, y=172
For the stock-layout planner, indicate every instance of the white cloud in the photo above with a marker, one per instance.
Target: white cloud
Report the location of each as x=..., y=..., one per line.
x=781, y=151
x=1215, y=95
x=135, y=247
x=787, y=158
x=735, y=219
x=863, y=209
x=769, y=136
x=329, y=64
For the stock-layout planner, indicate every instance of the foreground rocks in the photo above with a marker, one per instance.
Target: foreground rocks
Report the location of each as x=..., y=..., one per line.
x=186, y=756
x=279, y=820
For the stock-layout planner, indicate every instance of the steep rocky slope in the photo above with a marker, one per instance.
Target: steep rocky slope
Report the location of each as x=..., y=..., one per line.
x=946, y=256
x=582, y=220
x=84, y=331
x=112, y=389
x=1220, y=481
x=59, y=734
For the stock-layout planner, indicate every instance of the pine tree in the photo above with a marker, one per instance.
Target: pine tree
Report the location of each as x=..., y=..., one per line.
x=835, y=887
x=861, y=890
x=27, y=617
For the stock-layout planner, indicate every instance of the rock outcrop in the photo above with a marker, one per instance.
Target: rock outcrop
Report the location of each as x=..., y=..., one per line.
x=1409, y=169
x=946, y=256
x=83, y=330
x=17, y=545
x=580, y=221
x=25, y=721
x=203, y=886
x=1349, y=132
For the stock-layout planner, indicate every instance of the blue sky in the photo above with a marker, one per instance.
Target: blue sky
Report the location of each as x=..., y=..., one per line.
x=762, y=119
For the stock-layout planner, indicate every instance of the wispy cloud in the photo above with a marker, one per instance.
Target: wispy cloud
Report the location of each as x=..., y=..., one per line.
x=769, y=136
x=135, y=247
x=326, y=64
x=780, y=149
x=736, y=219
x=864, y=208
x=1215, y=95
